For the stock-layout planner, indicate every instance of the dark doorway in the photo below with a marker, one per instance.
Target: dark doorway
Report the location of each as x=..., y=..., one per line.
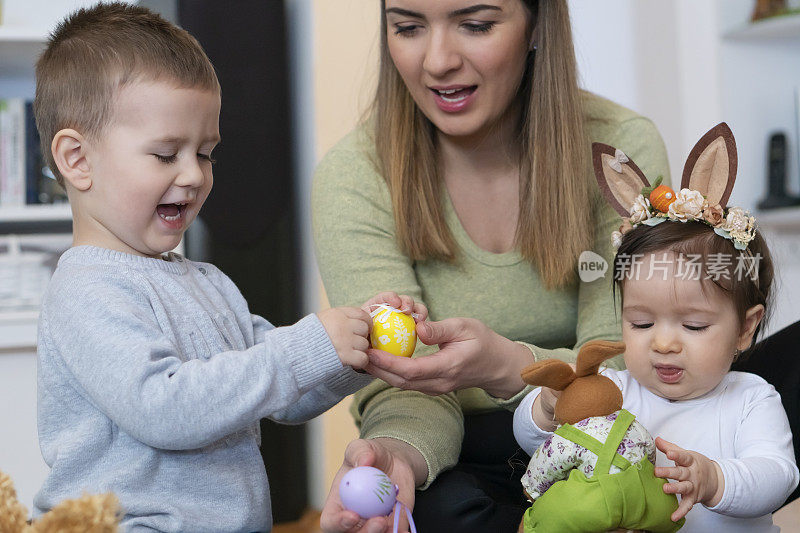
x=248, y=226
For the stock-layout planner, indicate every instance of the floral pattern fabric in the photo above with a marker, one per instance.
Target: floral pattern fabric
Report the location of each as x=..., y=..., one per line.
x=557, y=456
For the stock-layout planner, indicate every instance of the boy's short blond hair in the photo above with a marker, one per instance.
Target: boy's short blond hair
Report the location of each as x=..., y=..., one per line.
x=98, y=50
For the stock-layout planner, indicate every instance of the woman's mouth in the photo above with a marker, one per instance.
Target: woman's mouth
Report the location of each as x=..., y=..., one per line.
x=669, y=374
x=452, y=99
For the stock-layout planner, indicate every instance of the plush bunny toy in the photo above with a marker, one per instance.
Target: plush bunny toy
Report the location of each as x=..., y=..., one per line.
x=595, y=473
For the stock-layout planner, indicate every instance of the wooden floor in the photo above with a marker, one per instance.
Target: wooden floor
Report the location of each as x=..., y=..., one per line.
x=308, y=523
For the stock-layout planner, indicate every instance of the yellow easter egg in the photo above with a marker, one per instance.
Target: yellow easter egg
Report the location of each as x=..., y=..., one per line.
x=394, y=332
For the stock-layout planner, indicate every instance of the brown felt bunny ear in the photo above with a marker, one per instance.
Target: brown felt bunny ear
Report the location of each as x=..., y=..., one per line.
x=595, y=352
x=550, y=373
x=590, y=394
x=711, y=165
x=618, y=177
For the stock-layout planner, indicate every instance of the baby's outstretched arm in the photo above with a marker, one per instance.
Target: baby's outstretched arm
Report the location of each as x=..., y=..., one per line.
x=699, y=479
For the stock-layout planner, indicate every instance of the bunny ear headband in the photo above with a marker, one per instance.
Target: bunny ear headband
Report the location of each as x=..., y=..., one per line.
x=706, y=185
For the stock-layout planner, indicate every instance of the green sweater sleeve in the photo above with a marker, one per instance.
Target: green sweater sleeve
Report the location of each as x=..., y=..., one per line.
x=598, y=313
x=358, y=257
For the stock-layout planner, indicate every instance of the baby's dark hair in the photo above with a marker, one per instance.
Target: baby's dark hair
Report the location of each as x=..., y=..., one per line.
x=746, y=278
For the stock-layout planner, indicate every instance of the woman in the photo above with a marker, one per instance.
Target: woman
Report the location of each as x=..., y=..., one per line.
x=469, y=188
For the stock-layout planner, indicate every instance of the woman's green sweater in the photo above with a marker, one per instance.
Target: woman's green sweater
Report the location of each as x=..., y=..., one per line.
x=354, y=233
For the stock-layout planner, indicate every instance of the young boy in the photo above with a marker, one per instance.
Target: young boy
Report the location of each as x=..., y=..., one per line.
x=153, y=374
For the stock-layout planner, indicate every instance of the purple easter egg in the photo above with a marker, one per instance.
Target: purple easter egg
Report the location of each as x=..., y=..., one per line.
x=368, y=491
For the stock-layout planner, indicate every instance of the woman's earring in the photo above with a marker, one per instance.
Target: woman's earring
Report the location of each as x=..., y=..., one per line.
x=534, y=44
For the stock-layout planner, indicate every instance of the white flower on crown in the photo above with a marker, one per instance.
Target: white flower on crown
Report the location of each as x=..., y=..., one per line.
x=688, y=205
x=640, y=210
x=737, y=220
x=616, y=239
x=740, y=225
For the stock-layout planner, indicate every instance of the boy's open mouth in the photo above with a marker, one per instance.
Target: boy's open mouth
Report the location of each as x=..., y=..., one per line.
x=170, y=212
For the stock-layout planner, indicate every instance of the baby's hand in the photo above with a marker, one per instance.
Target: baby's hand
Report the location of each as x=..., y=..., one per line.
x=403, y=303
x=544, y=409
x=348, y=329
x=699, y=479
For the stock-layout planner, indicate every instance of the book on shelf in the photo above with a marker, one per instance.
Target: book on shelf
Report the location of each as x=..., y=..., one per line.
x=24, y=176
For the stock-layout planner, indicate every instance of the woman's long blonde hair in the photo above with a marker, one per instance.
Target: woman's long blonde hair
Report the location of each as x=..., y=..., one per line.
x=555, y=218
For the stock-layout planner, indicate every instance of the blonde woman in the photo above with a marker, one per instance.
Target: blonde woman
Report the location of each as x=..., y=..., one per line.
x=469, y=187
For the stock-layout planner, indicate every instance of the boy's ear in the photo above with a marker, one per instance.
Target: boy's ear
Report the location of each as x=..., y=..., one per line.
x=752, y=318
x=69, y=152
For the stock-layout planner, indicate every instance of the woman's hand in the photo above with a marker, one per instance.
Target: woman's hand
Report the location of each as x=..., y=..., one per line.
x=401, y=462
x=470, y=355
x=699, y=479
x=403, y=303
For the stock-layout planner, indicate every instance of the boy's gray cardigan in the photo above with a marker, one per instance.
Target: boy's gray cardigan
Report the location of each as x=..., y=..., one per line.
x=152, y=378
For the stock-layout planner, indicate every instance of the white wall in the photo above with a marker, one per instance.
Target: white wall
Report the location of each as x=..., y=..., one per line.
x=676, y=63
x=657, y=58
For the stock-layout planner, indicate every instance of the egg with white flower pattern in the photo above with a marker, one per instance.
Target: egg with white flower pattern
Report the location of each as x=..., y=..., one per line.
x=394, y=332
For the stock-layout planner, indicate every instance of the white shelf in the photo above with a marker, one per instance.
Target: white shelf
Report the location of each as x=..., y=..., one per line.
x=19, y=49
x=785, y=27
x=33, y=213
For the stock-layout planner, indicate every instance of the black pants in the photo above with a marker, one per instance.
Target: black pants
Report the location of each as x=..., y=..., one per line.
x=482, y=493
x=777, y=360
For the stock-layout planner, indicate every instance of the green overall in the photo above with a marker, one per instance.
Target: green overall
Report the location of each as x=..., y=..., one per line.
x=630, y=499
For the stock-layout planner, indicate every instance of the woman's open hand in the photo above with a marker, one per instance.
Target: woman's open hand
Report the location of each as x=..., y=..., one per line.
x=470, y=355
x=403, y=464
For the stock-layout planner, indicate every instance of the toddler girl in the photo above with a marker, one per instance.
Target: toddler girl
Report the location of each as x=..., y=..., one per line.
x=695, y=291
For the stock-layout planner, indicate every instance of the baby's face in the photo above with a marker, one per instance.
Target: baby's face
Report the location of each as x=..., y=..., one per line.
x=151, y=168
x=680, y=339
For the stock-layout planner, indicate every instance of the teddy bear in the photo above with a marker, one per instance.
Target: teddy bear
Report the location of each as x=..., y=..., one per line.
x=87, y=514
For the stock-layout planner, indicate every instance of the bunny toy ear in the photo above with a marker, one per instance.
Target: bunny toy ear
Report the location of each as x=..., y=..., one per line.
x=618, y=177
x=550, y=373
x=711, y=165
x=595, y=352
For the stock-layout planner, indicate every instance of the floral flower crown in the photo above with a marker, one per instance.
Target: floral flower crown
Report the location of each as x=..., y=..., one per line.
x=706, y=185
x=659, y=203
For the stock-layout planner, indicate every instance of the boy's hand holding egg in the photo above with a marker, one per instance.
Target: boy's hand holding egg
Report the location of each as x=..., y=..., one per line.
x=349, y=327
